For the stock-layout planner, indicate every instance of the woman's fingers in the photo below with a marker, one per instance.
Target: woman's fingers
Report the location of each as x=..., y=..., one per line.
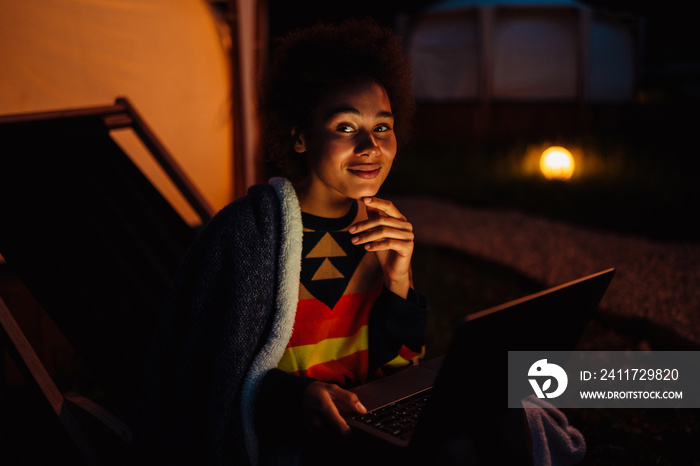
x=381, y=213
x=383, y=233
x=383, y=206
x=321, y=403
x=388, y=222
x=347, y=398
x=385, y=229
x=387, y=233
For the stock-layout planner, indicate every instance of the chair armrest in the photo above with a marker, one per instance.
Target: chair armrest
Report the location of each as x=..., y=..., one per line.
x=97, y=412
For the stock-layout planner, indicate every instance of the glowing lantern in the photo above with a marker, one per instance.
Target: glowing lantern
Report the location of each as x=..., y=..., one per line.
x=557, y=163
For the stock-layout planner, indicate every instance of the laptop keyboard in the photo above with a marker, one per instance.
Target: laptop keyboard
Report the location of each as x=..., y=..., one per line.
x=399, y=418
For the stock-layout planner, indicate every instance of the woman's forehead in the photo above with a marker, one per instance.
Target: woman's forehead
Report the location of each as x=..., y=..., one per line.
x=359, y=98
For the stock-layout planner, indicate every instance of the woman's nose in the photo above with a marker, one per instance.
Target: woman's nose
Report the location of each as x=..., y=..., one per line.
x=367, y=144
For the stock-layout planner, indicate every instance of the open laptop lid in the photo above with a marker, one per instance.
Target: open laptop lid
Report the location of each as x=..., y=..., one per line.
x=553, y=319
x=550, y=320
x=471, y=386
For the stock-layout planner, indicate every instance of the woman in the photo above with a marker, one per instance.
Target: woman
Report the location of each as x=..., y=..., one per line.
x=302, y=288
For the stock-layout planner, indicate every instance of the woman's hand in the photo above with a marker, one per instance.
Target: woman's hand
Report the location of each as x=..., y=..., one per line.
x=390, y=236
x=321, y=403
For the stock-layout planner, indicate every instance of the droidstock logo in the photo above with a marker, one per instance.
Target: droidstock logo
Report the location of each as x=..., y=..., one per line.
x=546, y=371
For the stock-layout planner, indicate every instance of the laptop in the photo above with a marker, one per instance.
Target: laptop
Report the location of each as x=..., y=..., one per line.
x=463, y=394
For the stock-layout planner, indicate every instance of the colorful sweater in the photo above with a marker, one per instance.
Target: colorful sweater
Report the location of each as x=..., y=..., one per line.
x=348, y=328
x=340, y=284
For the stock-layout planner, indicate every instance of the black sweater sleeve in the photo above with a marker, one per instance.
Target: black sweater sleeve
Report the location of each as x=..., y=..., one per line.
x=278, y=409
x=395, y=322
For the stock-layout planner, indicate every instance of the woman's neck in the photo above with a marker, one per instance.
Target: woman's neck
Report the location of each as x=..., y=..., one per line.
x=322, y=204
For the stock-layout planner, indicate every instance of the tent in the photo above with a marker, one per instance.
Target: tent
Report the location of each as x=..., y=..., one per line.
x=176, y=62
x=522, y=51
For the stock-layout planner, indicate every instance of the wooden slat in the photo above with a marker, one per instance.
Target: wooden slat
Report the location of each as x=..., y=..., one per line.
x=28, y=360
x=167, y=162
x=63, y=114
x=29, y=363
x=121, y=115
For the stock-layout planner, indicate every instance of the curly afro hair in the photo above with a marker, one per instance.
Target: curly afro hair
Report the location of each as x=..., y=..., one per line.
x=308, y=63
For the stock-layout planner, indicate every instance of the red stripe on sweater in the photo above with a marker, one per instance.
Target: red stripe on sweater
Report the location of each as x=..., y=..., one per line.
x=315, y=322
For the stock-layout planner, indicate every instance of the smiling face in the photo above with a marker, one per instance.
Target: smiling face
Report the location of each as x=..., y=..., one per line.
x=350, y=147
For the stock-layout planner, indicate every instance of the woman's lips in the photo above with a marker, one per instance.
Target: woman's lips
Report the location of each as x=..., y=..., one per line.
x=367, y=172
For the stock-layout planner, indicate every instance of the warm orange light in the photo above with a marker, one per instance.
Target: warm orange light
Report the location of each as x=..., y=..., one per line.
x=557, y=163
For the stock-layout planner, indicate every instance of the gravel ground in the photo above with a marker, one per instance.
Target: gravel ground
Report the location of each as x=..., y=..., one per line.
x=656, y=283
x=653, y=302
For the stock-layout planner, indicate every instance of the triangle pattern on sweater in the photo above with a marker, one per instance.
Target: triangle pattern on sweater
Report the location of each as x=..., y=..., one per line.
x=330, y=261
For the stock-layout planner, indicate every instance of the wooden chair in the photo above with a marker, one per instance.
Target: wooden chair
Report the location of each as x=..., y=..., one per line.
x=69, y=407
x=97, y=246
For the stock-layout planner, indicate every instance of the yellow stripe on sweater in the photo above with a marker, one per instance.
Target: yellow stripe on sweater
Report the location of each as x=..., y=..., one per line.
x=400, y=361
x=301, y=358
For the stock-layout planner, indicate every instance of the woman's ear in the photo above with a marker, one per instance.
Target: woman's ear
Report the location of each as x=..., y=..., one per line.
x=299, y=142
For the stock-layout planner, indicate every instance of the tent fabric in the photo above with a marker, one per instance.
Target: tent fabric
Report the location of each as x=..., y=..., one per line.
x=170, y=59
x=521, y=50
x=534, y=55
x=444, y=54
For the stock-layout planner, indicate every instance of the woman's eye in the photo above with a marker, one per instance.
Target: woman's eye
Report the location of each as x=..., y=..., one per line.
x=382, y=128
x=345, y=128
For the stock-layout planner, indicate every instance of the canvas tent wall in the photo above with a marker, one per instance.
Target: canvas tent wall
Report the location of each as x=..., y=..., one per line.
x=522, y=50
x=172, y=60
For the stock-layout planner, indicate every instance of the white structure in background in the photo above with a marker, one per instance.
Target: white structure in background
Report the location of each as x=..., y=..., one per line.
x=522, y=50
